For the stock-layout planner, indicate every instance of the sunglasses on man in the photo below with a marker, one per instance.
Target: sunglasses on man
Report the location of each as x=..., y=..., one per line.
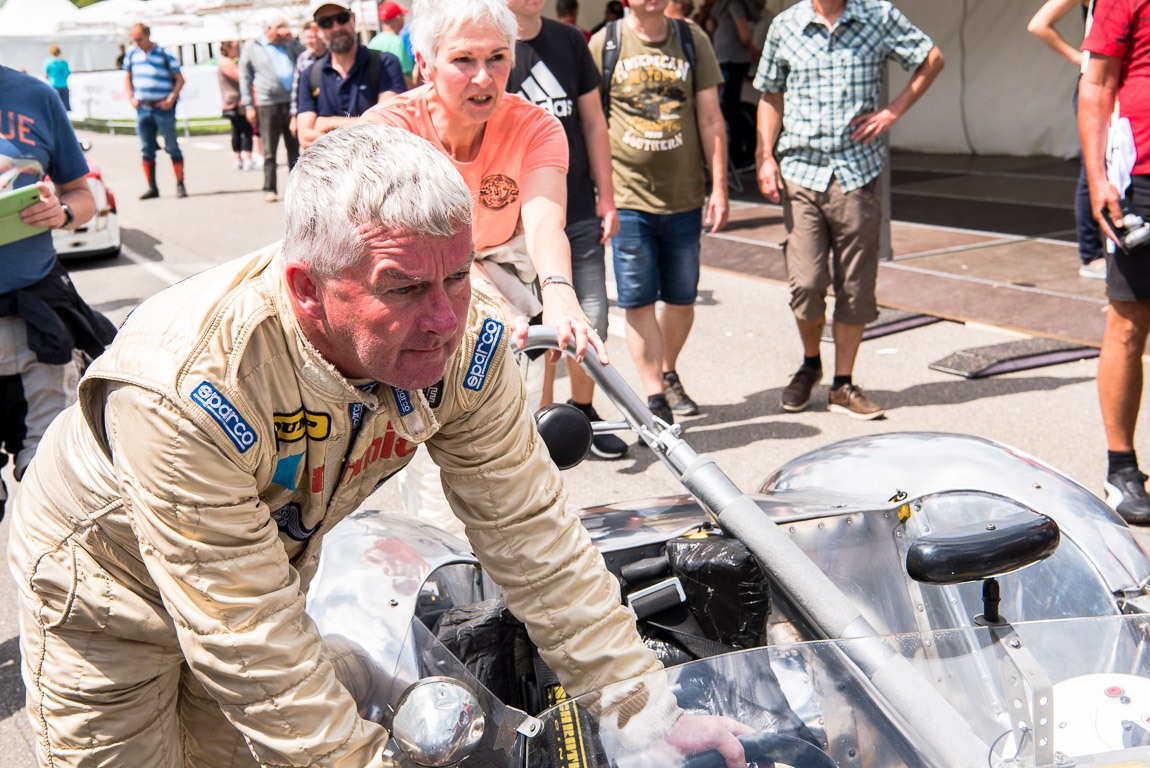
x=327, y=22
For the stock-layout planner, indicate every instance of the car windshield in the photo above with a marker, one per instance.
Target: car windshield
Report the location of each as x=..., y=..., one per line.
x=949, y=698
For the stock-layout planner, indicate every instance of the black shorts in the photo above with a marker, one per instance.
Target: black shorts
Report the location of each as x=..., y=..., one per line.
x=1128, y=274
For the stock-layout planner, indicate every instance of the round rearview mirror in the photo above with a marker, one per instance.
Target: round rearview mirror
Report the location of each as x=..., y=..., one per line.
x=438, y=722
x=566, y=431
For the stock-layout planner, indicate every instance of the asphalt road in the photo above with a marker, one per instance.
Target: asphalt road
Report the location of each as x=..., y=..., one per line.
x=740, y=355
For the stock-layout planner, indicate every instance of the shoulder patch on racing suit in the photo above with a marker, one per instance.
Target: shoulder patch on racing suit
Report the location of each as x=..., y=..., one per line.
x=226, y=415
x=476, y=372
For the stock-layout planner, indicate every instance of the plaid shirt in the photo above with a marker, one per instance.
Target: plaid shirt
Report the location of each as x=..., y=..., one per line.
x=831, y=76
x=302, y=62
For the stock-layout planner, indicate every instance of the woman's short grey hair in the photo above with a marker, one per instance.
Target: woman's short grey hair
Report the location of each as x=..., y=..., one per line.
x=432, y=21
x=365, y=174
x=273, y=19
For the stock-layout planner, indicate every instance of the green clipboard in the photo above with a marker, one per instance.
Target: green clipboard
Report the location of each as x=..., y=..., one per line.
x=12, y=228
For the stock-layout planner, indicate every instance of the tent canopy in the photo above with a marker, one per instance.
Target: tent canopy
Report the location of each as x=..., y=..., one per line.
x=28, y=18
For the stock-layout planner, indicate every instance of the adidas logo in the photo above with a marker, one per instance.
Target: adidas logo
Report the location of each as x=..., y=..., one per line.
x=543, y=90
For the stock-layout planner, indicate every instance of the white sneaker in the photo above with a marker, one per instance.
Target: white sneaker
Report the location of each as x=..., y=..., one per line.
x=238, y=165
x=1096, y=268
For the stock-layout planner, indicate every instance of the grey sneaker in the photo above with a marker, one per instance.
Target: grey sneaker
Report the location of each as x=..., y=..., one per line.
x=797, y=394
x=1126, y=495
x=677, y=397
x=1096, y=269
x=850, y=400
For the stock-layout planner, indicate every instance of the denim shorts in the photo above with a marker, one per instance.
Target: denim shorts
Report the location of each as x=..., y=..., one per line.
x=589, y=270
x=656, y=257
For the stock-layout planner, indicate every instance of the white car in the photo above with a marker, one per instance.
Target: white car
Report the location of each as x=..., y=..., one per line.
x=99, y=236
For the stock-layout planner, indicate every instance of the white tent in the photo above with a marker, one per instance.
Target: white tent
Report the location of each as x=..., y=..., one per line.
x=28, y=27
x=1002, y=92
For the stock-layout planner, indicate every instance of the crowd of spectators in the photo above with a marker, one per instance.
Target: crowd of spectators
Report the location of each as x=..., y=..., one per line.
x=645, y=184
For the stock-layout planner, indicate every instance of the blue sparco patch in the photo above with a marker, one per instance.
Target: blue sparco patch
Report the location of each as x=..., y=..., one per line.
x=402, y=401
x=485, y=347
x=226, y=415
x=289, y=518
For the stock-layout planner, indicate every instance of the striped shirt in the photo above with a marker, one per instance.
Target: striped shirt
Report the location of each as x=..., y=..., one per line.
x=153, y=72
x=830, y=77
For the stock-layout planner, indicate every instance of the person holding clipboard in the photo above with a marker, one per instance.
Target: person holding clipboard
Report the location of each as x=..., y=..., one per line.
x=42, y=318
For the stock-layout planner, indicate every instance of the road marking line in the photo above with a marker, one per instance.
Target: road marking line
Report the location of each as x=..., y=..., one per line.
x=152, y=268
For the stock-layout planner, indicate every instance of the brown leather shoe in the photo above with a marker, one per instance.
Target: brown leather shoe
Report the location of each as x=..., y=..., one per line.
x=850, y=400
x=798, y=393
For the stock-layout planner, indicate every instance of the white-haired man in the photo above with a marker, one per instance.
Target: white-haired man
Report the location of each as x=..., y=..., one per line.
x=163, y=548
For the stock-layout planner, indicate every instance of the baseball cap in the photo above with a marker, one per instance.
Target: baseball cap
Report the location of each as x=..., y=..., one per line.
x=317, y=4
x=389, y=10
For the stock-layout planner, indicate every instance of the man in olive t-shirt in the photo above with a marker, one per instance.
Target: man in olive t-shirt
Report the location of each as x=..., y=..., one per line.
x=664, y=119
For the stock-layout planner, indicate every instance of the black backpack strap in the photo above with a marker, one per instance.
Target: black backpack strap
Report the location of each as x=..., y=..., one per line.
x=687, y=43
x=314, y=75
x=374, y=71
x=613, y=39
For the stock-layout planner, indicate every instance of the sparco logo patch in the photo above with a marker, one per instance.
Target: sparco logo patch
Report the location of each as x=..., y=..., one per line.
x=226, y=415
x=484, y=351
x=402, y=401
x=498, y=191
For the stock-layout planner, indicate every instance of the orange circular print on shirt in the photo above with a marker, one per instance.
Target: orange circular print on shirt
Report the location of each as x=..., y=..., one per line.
x=498, y=191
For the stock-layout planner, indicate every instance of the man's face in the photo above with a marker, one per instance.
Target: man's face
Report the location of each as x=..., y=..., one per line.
x=399, y=315
x=471, y=70
x=648, y=7
x=526, y=7
x=279, y=34
x=139, y=37
x=339, y=35
x=310, y=38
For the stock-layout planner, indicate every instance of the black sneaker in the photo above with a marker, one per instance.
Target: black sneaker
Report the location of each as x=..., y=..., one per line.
x=1126, y=494
x=659, y=408
x=150, y=194
x=673, y=390
x=604, y=446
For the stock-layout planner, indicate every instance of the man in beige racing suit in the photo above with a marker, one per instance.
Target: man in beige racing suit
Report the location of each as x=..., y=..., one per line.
x=165, y=534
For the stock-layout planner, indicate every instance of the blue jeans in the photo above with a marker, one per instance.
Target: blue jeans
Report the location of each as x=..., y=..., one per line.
x=589, y=270
x=149, y=120
x=656, y=257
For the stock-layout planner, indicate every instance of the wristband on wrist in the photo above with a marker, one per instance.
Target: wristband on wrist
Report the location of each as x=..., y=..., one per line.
x=553, y=279
x=69, y=217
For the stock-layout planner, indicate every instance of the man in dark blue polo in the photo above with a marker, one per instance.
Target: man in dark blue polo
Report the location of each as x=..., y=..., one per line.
x=352, y=79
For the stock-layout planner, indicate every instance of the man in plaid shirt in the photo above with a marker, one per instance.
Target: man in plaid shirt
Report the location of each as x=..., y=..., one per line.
x=820, y=75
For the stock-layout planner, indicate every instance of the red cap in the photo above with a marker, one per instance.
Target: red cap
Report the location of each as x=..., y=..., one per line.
x=389, y=10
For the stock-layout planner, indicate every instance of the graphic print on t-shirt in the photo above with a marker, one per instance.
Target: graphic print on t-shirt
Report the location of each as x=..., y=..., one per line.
x=498, y=191
x=652, y=90
x=543, y=89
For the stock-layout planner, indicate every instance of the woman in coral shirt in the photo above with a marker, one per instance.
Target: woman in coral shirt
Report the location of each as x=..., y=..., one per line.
x=512, y=154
